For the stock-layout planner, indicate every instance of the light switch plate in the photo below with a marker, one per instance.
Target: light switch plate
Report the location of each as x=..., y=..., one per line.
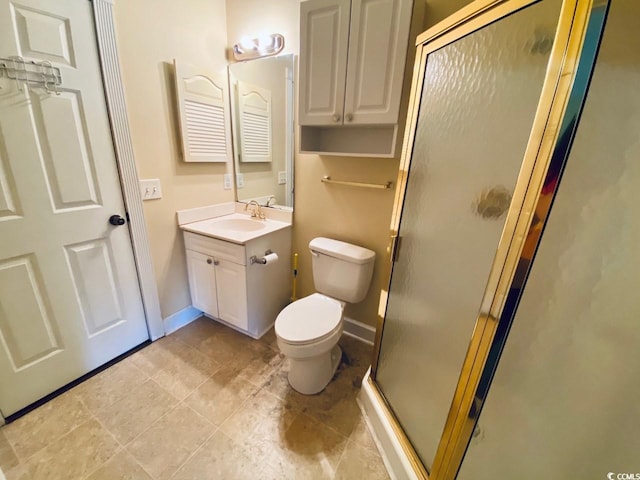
x=150, y=189
x=228, y=181
x=282, y=178
x=240, y=180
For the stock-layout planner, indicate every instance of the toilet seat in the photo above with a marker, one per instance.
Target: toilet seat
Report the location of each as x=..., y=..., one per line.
x=309, y=320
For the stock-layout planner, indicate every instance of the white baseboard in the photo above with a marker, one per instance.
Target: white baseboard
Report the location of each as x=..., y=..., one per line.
x=363, y=332
x=237, y=329
x=359, y=330
x=394, y=458
x=180, y=319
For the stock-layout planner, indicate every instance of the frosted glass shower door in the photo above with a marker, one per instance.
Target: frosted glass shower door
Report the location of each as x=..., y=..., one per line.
x=477, y=106
x=565, y=399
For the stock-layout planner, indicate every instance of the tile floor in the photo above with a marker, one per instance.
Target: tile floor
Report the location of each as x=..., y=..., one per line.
x=203, y=403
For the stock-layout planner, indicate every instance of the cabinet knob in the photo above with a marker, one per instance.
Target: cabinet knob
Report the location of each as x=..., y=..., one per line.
x=216, y=262
x=348, y=117
x=336, y=117
x=209, y=261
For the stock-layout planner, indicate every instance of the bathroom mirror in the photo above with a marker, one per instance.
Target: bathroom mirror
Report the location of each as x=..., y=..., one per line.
x=262, y=119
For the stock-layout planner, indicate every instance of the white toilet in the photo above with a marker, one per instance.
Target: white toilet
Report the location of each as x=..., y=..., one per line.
x=308, y=330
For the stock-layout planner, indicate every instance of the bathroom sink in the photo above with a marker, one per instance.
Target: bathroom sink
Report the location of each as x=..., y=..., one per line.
x=235, y=227
x=240, y=224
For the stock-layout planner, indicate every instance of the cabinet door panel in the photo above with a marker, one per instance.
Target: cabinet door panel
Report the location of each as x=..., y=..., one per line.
x=232, y=293
x=324, y=28
x=202, y=282
x=377, y=53
x=203, y=109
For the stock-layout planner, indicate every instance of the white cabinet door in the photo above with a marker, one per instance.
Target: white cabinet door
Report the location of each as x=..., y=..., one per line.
x=377, y=54
x=232, y=293
x=202, y=282
x=324, y=29
x=203, y=107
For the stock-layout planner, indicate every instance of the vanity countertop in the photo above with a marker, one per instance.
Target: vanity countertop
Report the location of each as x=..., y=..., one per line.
x=236, y=227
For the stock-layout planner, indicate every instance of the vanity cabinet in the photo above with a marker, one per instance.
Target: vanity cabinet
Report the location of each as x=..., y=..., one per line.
x=352, y=65
x=218, y=287
x=227, y=287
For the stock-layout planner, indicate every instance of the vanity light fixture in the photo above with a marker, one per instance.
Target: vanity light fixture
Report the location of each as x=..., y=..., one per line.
x=263, y=46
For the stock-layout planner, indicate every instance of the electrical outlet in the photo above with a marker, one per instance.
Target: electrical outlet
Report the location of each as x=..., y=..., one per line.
x=240, y=180
x=282, y=178
x=228, y=181
x=150, y=189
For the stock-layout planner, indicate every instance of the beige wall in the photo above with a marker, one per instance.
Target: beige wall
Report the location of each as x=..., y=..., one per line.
x=437, y=10
x=354, y=215
x=252, y=18
x=150, y=34
x=359, y=216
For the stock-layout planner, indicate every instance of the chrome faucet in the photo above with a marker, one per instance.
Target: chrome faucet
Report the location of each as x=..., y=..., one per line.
x=271, y=197
x=256, y=211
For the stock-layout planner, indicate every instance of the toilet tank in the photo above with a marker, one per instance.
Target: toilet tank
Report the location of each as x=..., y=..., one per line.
x=341, y=270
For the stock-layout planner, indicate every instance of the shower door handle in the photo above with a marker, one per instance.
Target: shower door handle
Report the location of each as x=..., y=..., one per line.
x=394, y=248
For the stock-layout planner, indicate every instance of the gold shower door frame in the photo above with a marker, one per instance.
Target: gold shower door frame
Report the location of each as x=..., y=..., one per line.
x=550, y=114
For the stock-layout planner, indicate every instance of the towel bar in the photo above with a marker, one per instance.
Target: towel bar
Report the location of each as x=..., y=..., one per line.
x=386, y=186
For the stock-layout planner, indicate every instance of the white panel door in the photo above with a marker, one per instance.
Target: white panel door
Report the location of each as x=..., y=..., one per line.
x=377, y=53
x=232, y=293
x=324, y=40
x=202, y=282
x=69, y=294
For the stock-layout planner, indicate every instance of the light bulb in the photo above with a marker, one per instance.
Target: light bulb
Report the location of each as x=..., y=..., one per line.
x=265, y=41
x=247, y=43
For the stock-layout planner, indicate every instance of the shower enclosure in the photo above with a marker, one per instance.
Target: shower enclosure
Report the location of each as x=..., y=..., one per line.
x=509, y=336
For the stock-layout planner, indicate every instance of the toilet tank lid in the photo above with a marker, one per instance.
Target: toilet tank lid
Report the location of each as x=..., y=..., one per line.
x=342, y=250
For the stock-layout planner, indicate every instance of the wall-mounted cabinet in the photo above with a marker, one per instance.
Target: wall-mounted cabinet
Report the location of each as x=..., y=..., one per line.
x=352, y=65
x=203, y=109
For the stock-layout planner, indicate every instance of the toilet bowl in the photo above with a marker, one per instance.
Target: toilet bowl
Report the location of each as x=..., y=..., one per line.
x=308, y=330
x=311, y=345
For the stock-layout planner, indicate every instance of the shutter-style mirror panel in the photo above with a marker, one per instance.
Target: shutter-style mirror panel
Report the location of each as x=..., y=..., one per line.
x=203, y=105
